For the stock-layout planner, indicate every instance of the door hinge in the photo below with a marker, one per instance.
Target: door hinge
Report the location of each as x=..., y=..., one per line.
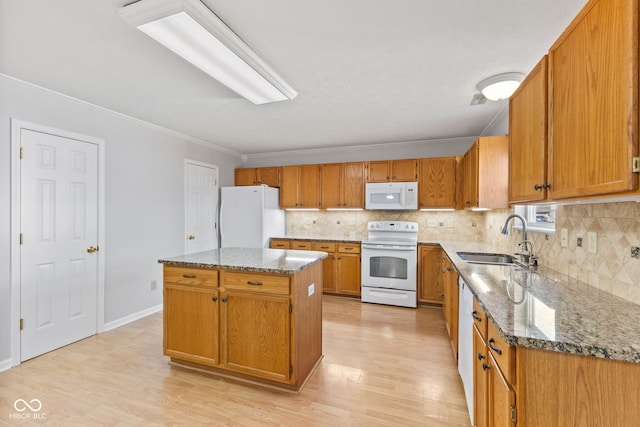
x=21, y=324
x=21, y=238
x=635, y=164
x=290, y=308
x=215, y=225
x=512, y=411
x=20, y=152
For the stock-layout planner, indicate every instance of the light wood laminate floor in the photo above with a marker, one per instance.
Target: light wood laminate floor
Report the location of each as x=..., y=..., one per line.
x=382, y=366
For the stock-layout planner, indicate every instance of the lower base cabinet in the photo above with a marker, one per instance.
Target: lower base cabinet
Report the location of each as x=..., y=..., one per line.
x=266, y=327
x=429, y=274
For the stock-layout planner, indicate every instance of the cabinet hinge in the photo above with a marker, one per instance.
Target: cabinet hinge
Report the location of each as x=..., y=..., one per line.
x=290, y=308
x=635, y=164
x=20, y=238
x=21, y=153
x=290, y=369
x=21, y=324
x=512, y=411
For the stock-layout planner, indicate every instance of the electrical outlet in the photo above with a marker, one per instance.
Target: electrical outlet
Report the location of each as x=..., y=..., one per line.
x=564, y=237
x=432, y=223
x=579, y=242
x=154, y=285
x=635, y=252
x=352, y=221
x=592, y=242
x=450, y=223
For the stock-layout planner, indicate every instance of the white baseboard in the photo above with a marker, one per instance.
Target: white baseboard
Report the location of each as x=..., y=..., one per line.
x=131, y=318
x=5, y=365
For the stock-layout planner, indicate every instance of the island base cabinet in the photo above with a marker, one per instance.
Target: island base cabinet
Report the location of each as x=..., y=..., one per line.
x=257, y=334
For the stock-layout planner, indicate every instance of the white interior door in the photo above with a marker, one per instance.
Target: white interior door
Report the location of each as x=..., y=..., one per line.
x=59, y=230
x=201, y=207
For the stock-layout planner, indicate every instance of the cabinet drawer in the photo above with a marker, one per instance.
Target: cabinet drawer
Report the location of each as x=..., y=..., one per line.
x=502, y=352
x=191, y=276
x=480, y=319
x=279, y=244
x=256, y=282
x=304, y=246
x=324, y=246
x=344, y=248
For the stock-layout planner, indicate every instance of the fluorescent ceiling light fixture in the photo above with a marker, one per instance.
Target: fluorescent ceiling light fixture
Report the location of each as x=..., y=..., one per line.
x=302, y=209
x=500, y=87
x=437, y=210
x=344, y=209
x=191, y=30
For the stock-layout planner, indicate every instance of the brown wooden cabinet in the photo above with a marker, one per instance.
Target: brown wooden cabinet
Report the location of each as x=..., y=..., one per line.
x=593, y=91
x=257, y=176
x=329, y=265
x=437, y=183
x=265, y=326
x=300, y=186
x=405, y=170
x=343, y=185
x=348, y=282
x=486, y=173
x=528, y=138
x=480, y=380
x=451, y=301
x=279, y=244
x=430, y=288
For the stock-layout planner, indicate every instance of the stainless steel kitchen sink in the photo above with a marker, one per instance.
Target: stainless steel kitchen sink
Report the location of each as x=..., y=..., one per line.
x=487, y=258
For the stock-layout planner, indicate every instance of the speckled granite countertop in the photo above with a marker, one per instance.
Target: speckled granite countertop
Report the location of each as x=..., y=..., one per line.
x=545, y=309
x=277, y=261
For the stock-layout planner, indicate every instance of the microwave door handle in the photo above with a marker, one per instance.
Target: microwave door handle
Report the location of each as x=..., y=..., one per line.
x=403, y=195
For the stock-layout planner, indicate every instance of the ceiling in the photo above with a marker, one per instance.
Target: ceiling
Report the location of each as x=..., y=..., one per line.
x=367, y=71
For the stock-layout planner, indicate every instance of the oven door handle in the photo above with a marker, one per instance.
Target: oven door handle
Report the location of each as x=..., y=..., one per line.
x=389, y=247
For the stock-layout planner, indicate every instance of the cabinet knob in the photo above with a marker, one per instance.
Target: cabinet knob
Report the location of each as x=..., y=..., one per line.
x=546, y=186
x=214, y=299
x=485, y=366
x=538, y=187
x=480, y=356
x=224, y=299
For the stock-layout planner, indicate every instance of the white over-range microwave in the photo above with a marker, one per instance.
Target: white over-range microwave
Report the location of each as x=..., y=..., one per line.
x=391, y=196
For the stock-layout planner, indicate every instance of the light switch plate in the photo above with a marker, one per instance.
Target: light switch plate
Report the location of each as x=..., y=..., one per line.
x=564, y=237
x=432, y=223
x=592, y=242
x=450, y=223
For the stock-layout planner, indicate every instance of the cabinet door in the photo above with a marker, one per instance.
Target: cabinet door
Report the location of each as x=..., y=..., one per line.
x=502, y=398
x=289, y=187
x=353, y=185
x=528, y=137
x=480, y=380
x=269, y=176
x=331, y=185
x=329, y=265
x=437, y=183
x=430, y=285
x=191, y=323
x=594, y=102
x=379, y=171
x=470, y=186
x=349, y=274
x=309, y=186
x=257, y=334
x=245, y=176
x=404, y=170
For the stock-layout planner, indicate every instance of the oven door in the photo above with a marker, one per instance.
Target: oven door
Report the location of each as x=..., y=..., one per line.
x=389, y=266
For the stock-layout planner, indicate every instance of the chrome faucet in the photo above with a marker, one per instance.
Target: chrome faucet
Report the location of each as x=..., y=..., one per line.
x=526, y=252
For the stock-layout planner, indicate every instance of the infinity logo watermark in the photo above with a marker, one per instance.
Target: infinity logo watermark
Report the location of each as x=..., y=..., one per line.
x=34, y=405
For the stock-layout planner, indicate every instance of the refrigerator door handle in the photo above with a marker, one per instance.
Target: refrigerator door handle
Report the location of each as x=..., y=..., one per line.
x=220, y=221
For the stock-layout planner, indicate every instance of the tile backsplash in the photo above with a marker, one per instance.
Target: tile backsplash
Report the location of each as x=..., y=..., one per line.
x=612, y=268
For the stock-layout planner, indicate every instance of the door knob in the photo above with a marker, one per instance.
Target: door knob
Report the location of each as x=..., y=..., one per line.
x=92, y=249
x=191, y=237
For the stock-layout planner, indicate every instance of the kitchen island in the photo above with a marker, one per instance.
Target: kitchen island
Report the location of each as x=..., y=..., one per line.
x=254, y=315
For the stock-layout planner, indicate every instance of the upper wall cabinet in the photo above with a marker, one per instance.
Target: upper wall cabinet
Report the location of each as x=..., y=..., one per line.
x=257, y=176
x=593, y=105
x=528, y=138
x=486, y=173
x=392, y=171
x=300, y=187
x=437, y=183
x=342, y=185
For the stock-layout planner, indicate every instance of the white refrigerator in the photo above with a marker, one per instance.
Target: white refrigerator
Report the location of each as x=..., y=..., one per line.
x=249, y=216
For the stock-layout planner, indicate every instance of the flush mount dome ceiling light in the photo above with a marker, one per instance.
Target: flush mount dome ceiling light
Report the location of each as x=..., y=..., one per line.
x=500, y=86
x=191, y=30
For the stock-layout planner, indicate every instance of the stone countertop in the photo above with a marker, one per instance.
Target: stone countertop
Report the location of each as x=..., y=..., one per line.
x=544, y=309
x=336, y=239
x=276, y=261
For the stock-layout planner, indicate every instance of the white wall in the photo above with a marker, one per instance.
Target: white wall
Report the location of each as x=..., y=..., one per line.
x=144, y=194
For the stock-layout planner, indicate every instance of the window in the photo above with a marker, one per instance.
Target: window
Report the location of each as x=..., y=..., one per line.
x=540, y=218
